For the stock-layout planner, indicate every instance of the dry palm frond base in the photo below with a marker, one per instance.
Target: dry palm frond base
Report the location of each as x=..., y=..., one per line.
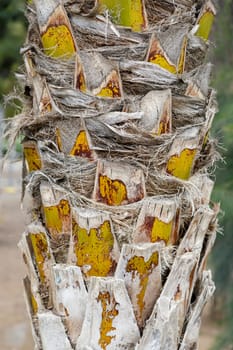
x=117, y=172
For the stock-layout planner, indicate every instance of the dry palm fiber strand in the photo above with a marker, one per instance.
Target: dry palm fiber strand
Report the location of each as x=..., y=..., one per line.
x=118, y=161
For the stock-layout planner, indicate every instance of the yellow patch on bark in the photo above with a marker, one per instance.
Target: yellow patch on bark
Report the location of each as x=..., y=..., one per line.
x=163, y=62
x=138, y=265
x=113, y=192
x=109, y=312
x=34, y=304
x=41, y=253
x=164, y=127
x=159, y=57
x=137, y=16
x=32, y=158
x=93, y=249
x=112, y=88
x=57, y=42
x=206, y=138
x=81, y=147
x=58, y=139
x=128, y=13
x=181, y=64
x=80, y=80
x=181, y=165
x=57, y=218
x=205, y=25
x=161, y=231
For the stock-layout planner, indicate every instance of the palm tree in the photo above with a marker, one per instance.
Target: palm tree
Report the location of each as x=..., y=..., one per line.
x=117, y=165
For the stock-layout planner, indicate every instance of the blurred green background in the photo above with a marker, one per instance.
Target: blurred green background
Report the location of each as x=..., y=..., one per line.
x=12, y=34
x=222, y=256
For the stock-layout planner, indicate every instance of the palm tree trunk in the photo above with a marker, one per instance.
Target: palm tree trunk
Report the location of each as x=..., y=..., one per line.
x=117, y=164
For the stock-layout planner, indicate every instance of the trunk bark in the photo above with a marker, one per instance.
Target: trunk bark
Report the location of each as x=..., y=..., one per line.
x=117, y=165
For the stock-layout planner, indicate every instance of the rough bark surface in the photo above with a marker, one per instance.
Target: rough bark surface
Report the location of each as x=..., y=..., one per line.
x=117, y=164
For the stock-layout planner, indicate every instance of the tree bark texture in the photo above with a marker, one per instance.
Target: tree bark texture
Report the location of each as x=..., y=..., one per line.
x=117, y=172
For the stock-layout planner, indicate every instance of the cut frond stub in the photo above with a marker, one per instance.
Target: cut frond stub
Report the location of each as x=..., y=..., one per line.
x=93, y=245
x=140, y=267
x=183, y=153
x=205, y=20
x=127, y=13
x=104, y=324
x=56, y=210
x=118, y=183
x=55, y=29
x=165, y=54
x=158, y=221
x=157, y=112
